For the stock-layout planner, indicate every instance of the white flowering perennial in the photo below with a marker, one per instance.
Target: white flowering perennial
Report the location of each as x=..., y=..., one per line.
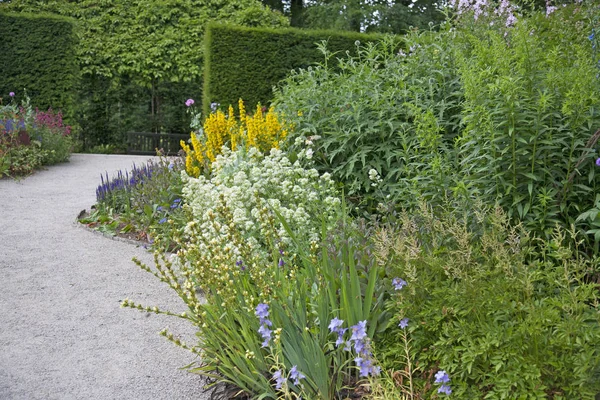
x=234, y=219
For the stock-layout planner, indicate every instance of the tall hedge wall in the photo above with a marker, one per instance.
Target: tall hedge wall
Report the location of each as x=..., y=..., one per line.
x=38, y=53
x=246, y=63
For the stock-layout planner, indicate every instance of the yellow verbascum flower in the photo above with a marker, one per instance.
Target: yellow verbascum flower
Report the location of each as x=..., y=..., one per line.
x=262, y=131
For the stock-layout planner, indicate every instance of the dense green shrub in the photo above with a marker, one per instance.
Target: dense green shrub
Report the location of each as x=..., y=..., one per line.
x=507, y=316
x=531, y=116
x=39, y=54
x=292, y=328
x=254, y=245
x=246, y=63
x=505, y=112
x=393, y=112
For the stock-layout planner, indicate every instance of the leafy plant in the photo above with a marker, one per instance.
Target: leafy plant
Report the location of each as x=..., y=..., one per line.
x=392, y=109
x=30, y=139
x=54, y=136
x=506, y=315
x=279, y=342
x=530, y=115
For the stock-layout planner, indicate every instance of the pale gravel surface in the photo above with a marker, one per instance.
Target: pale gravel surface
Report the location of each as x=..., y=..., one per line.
x=63, y=334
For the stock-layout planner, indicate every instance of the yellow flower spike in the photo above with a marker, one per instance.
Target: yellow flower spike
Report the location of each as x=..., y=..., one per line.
x=242, y=111
x=263, y=131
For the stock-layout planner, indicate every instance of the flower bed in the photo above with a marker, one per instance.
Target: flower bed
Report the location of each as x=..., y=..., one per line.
x=31, y=138
x=460, y=265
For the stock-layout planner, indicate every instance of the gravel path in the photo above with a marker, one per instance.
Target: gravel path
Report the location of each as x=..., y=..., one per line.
x=63, y=334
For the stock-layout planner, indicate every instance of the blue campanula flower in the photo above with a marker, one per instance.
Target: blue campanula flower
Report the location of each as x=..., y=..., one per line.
x=279, y=379
x=445, y=389
x=262, y=310
x=403, y=323
x=335, y=324
x=266, y=334
x=442, y=377
x=295, y=375
x=359, y=331
x=360, y=347
x=398, y=283
x=340, y=338
x=162, y=221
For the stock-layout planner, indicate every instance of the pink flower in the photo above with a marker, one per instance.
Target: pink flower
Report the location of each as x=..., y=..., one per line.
x=12, y=94
x=189, y=102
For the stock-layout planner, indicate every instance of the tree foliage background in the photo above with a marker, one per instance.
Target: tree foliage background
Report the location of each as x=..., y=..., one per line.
x=140, y=59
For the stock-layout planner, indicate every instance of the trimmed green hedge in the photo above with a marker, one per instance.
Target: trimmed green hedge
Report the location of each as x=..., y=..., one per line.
x=38, y=53
x=246, y=63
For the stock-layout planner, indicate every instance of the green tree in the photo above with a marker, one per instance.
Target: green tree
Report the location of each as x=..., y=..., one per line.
x=395, y=16
x=149, y=40
x=147, y=45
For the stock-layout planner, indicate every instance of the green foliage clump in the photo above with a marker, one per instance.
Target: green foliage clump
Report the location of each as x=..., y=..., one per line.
x=486, y=109
x=259, y=340
x=507, y=316
x=39, y=54
x=393, y=109
x=531, y=117
x=246, y=63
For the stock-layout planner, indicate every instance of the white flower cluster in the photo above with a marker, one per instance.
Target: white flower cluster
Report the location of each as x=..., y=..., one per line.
x=251, y=186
